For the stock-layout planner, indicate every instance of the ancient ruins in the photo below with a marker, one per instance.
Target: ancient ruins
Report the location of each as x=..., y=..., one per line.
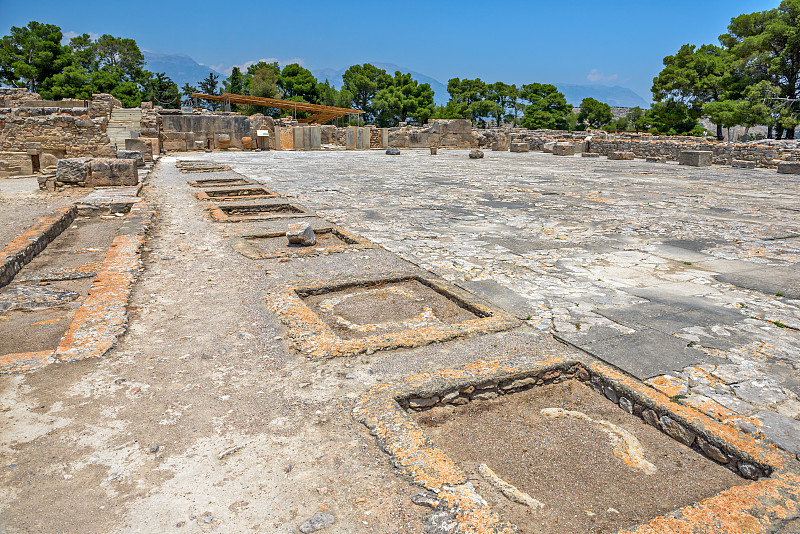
x=218, y=323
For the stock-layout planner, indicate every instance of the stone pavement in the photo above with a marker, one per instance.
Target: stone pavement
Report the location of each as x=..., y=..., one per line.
x=204, y=419
x=682, y=276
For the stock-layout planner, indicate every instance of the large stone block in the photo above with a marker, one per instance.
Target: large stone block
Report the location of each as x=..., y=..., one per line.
x=695, y=158
x=519, y=147
x=143, y=146
x=73, y=170
x=620, y=155
x=789, y=167
x=112, y=172
x=563, y=149
x=134, y=155
x=743, y=164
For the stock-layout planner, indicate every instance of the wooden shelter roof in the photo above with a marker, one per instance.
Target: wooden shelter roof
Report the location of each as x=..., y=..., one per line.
x=319, y=114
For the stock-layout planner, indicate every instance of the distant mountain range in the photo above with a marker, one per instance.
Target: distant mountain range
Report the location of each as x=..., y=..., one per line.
x=183, y=69
x=179, y=67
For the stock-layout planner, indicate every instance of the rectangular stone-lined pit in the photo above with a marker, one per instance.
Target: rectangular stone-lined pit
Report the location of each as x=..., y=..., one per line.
x=235, y=193
x=190, y=166
x=269, y=245
x=570, y=464
x=221, y=182
x=345, y=318
x=388, y=411
x=256, y=212
x=70, y=302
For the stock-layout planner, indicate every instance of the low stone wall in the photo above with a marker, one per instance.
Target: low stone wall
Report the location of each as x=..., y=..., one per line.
x=455, y=133
x=27, y=245
x=180, y=132
x=93, y=172
x=32, y=139
x=722, y=153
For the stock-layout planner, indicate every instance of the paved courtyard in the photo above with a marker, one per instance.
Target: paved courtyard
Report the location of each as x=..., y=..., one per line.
x=204, y=418
x=659, y=269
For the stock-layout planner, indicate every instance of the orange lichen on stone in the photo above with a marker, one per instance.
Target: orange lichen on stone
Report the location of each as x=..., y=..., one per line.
x=668, y=385
x=22, y=362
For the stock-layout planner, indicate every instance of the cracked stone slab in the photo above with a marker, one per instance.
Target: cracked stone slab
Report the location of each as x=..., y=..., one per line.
x=781, y=430
x=769, y=280
x=644, y=354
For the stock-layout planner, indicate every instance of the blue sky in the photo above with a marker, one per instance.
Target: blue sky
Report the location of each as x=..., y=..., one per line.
x=580, y=42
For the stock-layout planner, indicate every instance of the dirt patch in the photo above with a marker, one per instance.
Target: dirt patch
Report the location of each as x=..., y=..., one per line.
x=569, y=463
x=361, y=311
x=39, y=304
x=223, y=193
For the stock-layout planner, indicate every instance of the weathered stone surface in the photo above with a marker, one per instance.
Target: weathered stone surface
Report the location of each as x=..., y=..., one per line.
x=695, y=158
x=417, y=403
x=318, y=521
x=476, y=154
x=651, y=418
x=519, y=147
x=434, y=151
x=656, y=159
x=781, y=430
x=590, y=155
x=134, y=155
x=301, y=234
x=789, y=167
x=143, y=146
x=677, y=431
x=563, y=149
x=711, y=451
x=72, y=170
x=620, y=155
x=743, y=164
x=393, y=151
x=112, y=172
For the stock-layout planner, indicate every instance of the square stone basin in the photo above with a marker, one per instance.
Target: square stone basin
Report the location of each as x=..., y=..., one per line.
x=255, y=212
x=269, y=245
x=235, y=193
x=220, y=182
x=344, y=318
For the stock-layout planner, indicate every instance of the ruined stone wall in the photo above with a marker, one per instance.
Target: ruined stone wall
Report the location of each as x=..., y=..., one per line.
x=12, y=97
x=181, y=132
x=455, y=133
x=723, y=153
x=31, y=137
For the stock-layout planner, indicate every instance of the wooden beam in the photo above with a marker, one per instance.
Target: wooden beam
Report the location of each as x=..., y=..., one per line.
x=318, y=112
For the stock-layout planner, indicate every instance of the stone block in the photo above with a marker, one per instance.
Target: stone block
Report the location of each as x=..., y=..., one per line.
x=316, y=138
x=301, y=234
x=620, y=155
x=695, y=158
x=143, y=146
x=73, y=170
x=476, y=154
x=112, y=172
x=789, y=167
x=306, y=138
x=174, y=145
x=656, y=159
x=547, y=148
x=590, y=155
x=742, y=164
x=384, y=137
x=154, y=143
x=350, y=138
x=563, y=149
x=519, y=147
x=134, y=155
